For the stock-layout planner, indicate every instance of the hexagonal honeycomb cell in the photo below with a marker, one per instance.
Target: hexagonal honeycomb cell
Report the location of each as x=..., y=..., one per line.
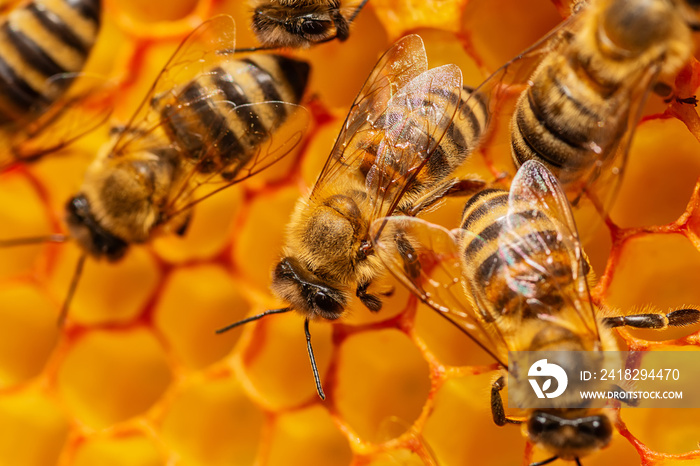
x=139, y=378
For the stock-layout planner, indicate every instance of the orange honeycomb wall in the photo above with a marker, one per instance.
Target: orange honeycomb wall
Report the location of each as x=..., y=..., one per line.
x=138, y=377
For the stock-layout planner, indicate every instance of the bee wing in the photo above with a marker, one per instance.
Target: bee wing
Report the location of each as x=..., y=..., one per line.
x=82, y=108
x=540, y=236
x=407, y=134
x=427, y=259
x=511, y=79
x=273, y=139
x=405, y=60
x=603, y=182
x=205, y=47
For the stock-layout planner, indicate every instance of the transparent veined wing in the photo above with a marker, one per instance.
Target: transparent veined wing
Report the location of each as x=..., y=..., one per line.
x=404, y=61
x=84, y=105
x=408, y=133
x=542, y=258
x=427, y=259
x=203, y=49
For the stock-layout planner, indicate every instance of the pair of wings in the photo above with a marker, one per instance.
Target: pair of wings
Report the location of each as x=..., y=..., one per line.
x=610, y=141
x=208, y=46
x=442, y=282
x=383, y=142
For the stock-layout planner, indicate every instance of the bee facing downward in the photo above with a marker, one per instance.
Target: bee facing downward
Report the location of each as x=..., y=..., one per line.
x=208, y=122
x=301, y=23
x=396, y=152
x=513, y=278
x=44, y=45
x=586, y=83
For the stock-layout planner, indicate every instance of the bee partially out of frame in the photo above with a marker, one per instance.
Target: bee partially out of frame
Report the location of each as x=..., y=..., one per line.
x=513, y=278
x=46, y=101
x=209, y=121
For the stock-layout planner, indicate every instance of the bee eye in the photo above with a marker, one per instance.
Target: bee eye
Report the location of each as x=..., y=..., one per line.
x=324, y=302
x=312, y=27
x=597, y=427
x=541, y=423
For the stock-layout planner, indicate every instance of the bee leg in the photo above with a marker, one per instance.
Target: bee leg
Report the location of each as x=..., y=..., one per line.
x=371, y=302
x=117, y=130
x=666, y=91
x=550, y=460
x=357, y=11
x=497, y=411
x=182, y=231
x=466, y=187
x=677, y=318
x=693, y=100
x=453, y=187
x=411, y=264
x=629, y=402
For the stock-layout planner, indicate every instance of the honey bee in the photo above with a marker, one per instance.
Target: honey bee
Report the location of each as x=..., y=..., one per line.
x=513, y=278
x=407, y=131
x=301, y=23
x=208, y=122
x=44, y=45
x=585, y=85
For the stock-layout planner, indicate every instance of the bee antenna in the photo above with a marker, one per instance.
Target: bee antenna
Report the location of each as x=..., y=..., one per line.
x=56, y=238
x=314, y=368
x=256, y=317
x=71, y=291
x=553, y=458
x=357, y=11
x=245, y=50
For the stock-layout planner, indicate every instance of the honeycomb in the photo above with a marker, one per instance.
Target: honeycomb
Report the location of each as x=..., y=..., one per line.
x=138, y=378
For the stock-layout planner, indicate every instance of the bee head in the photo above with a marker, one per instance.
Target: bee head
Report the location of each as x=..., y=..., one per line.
x=89, y=234
x=306, y=292
x=278, y=27
x=569, y=438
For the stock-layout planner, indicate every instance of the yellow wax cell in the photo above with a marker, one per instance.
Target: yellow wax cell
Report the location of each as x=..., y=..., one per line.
x=110, y=376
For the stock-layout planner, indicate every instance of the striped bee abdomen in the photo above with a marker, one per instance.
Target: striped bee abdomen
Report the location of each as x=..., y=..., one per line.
x=499, y=248
x=460, y=138
x=40, y=40
x=563, y=119
x=200, y=121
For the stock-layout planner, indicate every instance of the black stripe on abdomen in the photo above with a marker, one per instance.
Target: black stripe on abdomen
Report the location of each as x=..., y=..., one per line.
x=88, y=9
x=58, y=28
x=264, y=80
x=492, y=231
x=498, y=198
x=18, y=91
x=32, y=54
x=253, y=126
x=505, y=257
